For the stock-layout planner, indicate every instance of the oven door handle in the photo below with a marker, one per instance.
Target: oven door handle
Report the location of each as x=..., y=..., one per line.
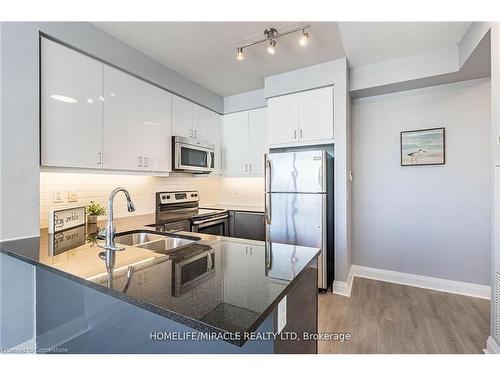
x=214, y=219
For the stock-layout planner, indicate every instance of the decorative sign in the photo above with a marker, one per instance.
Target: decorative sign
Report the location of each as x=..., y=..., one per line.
x=66, y=240
x=65, y=219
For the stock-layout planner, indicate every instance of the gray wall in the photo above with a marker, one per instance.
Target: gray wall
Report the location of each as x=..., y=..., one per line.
x=20, y=113
x=430, y=220
x=245, y=101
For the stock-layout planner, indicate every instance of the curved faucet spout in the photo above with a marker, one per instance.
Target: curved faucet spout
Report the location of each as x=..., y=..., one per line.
x=110, y=228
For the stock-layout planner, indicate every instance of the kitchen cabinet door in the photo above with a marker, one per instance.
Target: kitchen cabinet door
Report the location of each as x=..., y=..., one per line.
x=156, y=128
x=182, y=117
x=235, y=149
x=122, y=125
x=257, y=141
x=283, y=119
x=249, y=225
x=201, y=123
x=71, y=109
x=316, y=115
x=215, y=138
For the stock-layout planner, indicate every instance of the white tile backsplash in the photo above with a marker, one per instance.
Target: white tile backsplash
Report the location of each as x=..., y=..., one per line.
x=246, y=191
x=142, y=189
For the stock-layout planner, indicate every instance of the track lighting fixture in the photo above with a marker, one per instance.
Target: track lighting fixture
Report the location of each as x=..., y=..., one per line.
x=271, y=36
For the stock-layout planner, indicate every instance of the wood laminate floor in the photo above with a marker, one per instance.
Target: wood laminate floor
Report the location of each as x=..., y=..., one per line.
x=391, y=318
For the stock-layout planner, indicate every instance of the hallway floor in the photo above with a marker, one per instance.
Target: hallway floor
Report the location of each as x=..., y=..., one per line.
x=384, y=317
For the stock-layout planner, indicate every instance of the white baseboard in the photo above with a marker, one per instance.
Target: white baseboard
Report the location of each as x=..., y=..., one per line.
x=62, y=333
x=343, y=288
x=426, y=282
x=491, y=346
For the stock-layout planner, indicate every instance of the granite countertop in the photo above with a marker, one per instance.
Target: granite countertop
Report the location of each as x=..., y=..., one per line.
x=231, y=285
x=236, y=207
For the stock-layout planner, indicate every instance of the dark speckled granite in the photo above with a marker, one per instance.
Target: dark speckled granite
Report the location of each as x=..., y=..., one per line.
x=228, y=284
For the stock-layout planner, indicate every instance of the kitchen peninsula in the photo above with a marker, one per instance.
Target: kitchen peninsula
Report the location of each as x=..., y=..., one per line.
x=211, y=294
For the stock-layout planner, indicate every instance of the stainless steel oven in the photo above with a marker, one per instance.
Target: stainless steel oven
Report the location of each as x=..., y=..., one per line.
x=216, y=225
x=191, y=155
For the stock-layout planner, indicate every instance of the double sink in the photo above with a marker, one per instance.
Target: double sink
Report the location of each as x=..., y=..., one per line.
x=151, y=241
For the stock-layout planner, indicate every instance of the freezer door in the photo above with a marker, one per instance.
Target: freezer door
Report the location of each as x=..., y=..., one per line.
x=298, y=219
x=303, y=171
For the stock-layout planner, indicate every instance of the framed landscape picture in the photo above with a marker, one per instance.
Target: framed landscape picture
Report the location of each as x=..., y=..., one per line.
x=423, y=147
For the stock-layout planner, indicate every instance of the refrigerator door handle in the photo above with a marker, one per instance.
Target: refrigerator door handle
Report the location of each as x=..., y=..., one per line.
x=268, y=210
x=269, y=165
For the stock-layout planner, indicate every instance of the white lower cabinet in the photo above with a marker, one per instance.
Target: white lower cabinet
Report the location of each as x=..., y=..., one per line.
x=122, y=125
x=71, y=109
x=245, y=143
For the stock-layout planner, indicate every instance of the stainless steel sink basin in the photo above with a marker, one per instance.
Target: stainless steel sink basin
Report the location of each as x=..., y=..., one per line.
x=150, y=241
x=166, y=244
x=134, y=239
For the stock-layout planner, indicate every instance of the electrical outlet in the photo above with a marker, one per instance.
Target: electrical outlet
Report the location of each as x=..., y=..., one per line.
x=282, y=314
x=58, y=196
x=73, y=196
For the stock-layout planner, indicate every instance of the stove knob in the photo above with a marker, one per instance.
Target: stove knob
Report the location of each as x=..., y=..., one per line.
x=168, y=196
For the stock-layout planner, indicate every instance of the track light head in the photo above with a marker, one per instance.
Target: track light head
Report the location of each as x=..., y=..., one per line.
x=271, y=48
x=304, y=38
x=239, y=54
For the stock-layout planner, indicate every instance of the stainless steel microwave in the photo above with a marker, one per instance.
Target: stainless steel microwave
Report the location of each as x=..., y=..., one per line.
x=192, y=155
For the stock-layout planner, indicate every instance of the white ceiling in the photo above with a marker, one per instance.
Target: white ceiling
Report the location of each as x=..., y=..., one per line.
x=372, y=42
x=205, y=51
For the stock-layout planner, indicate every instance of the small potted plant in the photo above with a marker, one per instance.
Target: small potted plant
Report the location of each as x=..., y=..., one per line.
x=93, y=210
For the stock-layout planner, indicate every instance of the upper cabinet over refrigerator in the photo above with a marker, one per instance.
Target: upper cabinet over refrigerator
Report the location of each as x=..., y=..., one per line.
x=71, y=108
x=304, y=118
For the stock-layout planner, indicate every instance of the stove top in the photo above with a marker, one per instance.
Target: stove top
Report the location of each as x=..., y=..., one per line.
x=207, y=212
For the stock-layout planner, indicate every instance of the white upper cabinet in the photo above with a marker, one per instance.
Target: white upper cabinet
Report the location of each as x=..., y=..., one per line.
x=235, y=149
x=283, y=119
x=245, y=143
x=122, y=130
x=182, y=117
x=301, y=118
x=316, y=115
x=257, y=140
x=214, y=137
x=71, y=109
x=156, y=128
x=201, y=123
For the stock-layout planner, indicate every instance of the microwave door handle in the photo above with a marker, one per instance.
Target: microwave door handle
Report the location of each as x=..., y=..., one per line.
x=209, y=159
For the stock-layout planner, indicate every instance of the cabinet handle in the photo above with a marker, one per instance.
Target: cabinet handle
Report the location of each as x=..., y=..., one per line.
x=300, y=133
x=140, y=162
x=99, y=158
x=146, y=162
x=246, y=167
x=192, y=133
x=295, y=134
x=250, y=167
x=195, y=133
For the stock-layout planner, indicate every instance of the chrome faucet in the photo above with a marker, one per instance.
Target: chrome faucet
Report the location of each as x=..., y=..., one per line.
x=109, y=244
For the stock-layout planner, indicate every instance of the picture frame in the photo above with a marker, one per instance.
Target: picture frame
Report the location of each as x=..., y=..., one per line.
x=423, y=147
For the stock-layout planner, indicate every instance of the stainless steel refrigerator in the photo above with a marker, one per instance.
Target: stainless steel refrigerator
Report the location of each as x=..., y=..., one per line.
x=299, y=204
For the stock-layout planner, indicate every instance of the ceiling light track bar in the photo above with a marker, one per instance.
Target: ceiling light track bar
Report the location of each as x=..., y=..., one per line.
x=274, y=36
